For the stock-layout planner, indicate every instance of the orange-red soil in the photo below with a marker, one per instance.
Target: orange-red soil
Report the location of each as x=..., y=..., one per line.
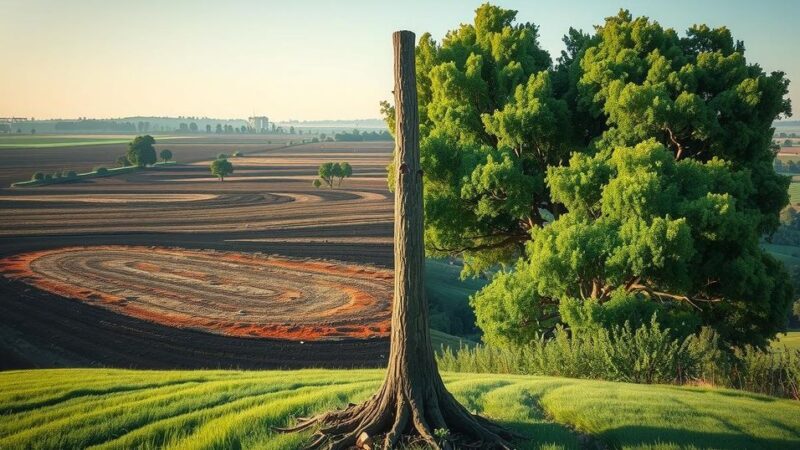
x=220, y=292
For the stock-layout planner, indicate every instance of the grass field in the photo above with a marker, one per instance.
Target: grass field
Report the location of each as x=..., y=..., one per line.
x=790, y=340
x=51, y=141
x=103, y=408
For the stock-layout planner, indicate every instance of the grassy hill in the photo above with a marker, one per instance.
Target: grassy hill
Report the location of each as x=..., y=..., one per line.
x=103, y=408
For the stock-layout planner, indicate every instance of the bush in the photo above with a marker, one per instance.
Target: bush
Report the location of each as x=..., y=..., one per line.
x=222, y=156
x=48, y=177
x=37, y=176
x=648, y=354
x=100, y=170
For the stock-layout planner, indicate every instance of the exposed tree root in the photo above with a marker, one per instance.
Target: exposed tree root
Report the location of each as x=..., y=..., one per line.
x=434, y=418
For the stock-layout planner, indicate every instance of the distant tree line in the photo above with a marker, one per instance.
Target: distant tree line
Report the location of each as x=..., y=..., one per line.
x=97, y=125
x=356, y=136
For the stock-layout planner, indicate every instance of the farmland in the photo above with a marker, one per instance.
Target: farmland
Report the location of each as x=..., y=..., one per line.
x=102, y=408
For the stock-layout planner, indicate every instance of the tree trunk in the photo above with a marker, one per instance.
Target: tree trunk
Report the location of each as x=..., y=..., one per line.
x=413, y=401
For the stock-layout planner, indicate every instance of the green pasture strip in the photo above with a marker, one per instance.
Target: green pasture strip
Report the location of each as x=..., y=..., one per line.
x=93, y=174
x=643, y=416
x=255, y=424
x=15, y=422
x=101, y=424
x=238, y=409
x=788, y=341
x=37, y=142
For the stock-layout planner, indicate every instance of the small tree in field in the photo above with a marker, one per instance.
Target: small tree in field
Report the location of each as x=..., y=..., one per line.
x=345, y=171
x=165, y=155
x=317, y=183
x=221, y=168
x=327, y=172
x=141, y=151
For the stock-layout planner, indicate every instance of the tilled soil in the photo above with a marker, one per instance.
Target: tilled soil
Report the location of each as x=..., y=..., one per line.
x=271, y=208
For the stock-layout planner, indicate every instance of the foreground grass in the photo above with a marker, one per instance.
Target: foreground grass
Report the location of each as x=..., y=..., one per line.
x=100, y=408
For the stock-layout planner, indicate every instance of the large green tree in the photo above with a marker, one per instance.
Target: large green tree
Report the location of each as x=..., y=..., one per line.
x=633, y=177
x=141, y=151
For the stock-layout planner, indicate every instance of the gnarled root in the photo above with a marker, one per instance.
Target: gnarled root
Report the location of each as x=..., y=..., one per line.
x=396, y=414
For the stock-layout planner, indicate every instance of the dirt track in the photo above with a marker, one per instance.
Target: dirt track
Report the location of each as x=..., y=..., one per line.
x=270, y=208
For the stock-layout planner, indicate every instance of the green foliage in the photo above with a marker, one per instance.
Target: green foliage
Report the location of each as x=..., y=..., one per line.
x=331, y=172
x=165, y=155
x=222, y=156
x=37, y=176
x=141, y=151
x=317, y=183
x=72, y=174
x=122, y=161
x=221, y=168
x=645, y=354
x=100, y=170
x=633, y=177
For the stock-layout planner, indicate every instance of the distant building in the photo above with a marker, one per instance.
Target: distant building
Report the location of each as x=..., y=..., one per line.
x=258, y=123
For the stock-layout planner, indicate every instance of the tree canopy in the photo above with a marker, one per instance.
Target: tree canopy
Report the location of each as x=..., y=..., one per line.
x=634, y=176
x=141, y=151
x=221, y=168
x=165, y=155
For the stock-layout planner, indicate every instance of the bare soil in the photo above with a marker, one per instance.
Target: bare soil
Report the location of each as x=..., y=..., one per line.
x=271, y=208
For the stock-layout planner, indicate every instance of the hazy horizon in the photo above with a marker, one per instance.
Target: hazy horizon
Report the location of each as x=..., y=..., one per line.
x=312, y=60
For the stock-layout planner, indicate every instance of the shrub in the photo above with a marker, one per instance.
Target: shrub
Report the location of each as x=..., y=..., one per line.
x=48, y=177
x=222, y=156
x=317, y=183
x=100, y=170
x=37, y=176
x=647, y=354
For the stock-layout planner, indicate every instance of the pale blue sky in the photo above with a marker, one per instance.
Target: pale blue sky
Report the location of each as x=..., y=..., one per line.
x=314, y=59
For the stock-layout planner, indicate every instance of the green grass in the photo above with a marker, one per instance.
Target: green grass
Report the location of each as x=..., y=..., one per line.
x=788, y=254
x=82, y=176
x=790, y=340
x=52, y=141
x=449, y=295
x=103, y=408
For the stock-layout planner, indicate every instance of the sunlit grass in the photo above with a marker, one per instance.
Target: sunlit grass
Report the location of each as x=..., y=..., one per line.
x=99, y=408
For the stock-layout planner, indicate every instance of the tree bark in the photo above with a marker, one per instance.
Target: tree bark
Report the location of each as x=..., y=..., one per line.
x=413, y=402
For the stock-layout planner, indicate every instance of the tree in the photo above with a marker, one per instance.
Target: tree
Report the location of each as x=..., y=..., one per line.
x=33, y=130
x=345, y=171
x=633, y=178
x=141, y=151
x=208, y=128
x=317, y=183
x=183, y=127
x=193, y=127
x=413, y=400
x=165, y=155
x=327, y=172
x=222, y=156
x=219, y=129
x=122, y=161
x=221, y=168
x=787, y=143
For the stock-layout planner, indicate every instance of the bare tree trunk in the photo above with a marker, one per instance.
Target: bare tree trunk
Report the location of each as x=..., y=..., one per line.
x=413, y=400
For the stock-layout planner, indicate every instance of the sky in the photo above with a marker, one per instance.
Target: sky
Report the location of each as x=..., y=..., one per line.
x=298, y=59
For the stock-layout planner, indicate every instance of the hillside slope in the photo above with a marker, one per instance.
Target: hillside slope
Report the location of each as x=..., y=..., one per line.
x=104, y=408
